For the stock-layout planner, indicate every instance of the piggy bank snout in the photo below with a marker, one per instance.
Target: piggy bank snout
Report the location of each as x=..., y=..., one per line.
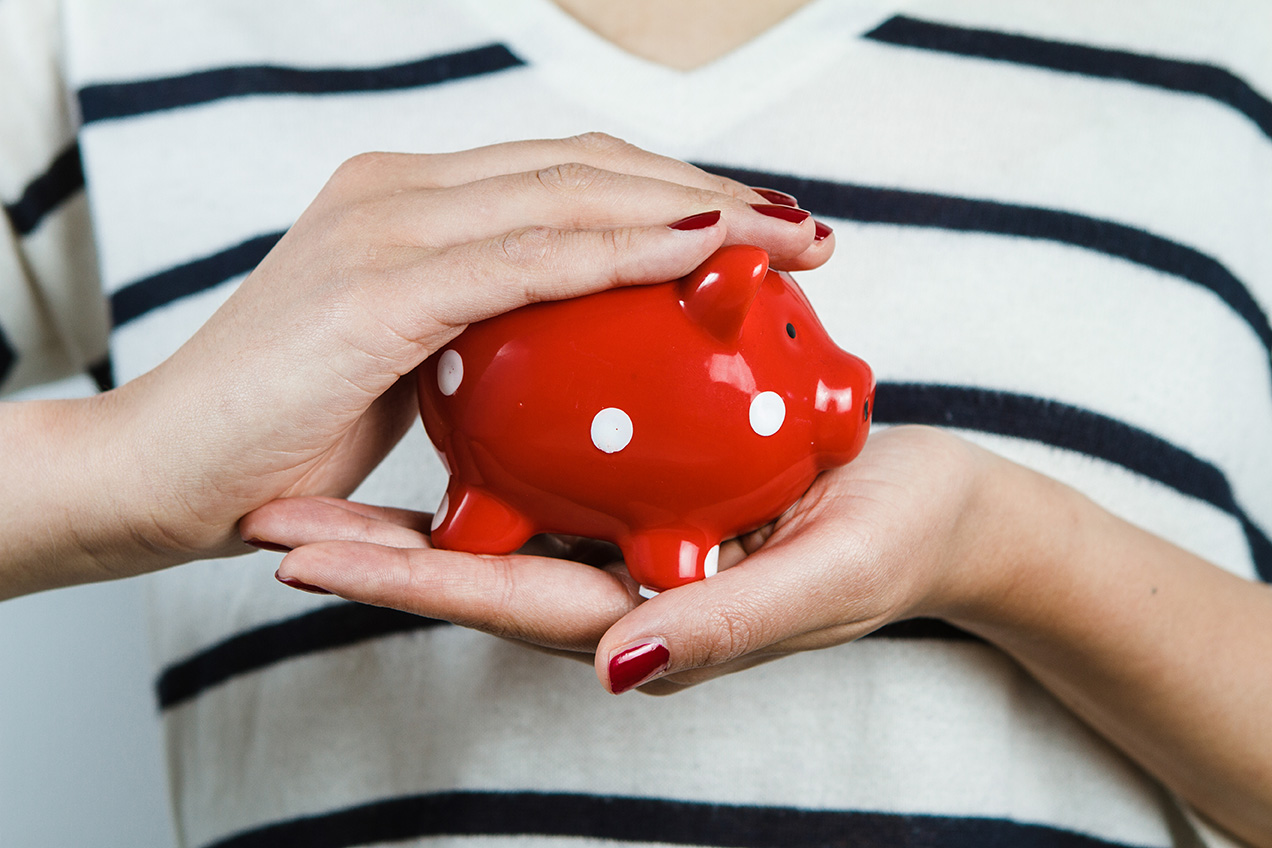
x=843, y=403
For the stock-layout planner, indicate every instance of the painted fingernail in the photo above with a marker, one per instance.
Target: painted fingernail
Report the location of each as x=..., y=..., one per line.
x=697, y=222
x=772, y=195
x=786, y=213
x=301, y=585
x=267, y=546
x=633, y=666
x=821, y=232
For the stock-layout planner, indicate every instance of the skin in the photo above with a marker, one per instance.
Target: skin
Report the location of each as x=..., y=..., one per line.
x=299, y=384
x=298, y=388
x=680, y=34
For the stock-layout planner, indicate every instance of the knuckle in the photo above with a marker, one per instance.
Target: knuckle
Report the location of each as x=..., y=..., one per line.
x=599, y=143
x=609, y=257
x=363, y=215
x=568, y=177
x=361, y=166
x=407, y=584
x=719, y=184
x=728, y=187
x=617, y=242
x=500, y=591
x=529, y=247
x=735, y=634
x=366, y=175
x=480, y=598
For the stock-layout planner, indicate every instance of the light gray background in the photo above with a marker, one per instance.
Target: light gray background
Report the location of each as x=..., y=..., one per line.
x=81, y=760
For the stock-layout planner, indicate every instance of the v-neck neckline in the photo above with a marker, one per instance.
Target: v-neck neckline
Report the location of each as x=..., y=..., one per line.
x=670, y=106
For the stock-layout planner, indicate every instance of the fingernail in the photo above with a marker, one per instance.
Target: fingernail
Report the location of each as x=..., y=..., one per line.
x=786, y=213
x=267, y=546
x=821, y=232
x=697, y=222
x=301, y=585
x=633, y=666
x=772, y=195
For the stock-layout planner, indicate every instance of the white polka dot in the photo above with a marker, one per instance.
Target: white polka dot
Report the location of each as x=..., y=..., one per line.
x=450, y=372
x=711, y=565
x=647, y=593
x=442, y=509
x=768, y=411
x=611, y=429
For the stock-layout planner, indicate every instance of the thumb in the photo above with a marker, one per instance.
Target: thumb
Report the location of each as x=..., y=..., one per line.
x=775, y=601
x=819, y=580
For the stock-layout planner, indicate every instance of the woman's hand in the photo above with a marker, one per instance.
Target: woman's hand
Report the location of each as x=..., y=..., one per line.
x=1163, y=653
x=294, y=387
x=881, y=539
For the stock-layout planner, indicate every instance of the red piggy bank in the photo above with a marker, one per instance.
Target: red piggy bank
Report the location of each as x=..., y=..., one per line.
x=663, y=418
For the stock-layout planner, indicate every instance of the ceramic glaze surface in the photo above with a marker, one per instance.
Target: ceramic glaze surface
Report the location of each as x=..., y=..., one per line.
x=664, y=418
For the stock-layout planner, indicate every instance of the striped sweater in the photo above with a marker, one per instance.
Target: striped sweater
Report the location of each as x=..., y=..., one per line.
x=1055, y=236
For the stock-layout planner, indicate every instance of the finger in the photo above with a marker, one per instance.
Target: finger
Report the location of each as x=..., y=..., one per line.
x=406, y=517
x=815, y=255
x=376, y=175
x=372, y=173
x=823, y=239
x=808, y=587
x=389, y=319
x=487, y=278
x=292, y=522
x=581, y=196
x=596, y=149
x=547, y=602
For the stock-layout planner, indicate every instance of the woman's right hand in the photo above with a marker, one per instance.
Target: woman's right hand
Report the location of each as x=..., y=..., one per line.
x=294, y=387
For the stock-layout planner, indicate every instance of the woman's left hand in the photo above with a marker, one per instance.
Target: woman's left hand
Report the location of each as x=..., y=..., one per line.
x=1162, y=652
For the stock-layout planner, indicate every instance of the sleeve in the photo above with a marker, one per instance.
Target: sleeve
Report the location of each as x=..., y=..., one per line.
x=53, y=315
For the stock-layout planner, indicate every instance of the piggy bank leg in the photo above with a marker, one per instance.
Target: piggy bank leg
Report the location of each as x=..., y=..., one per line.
x=469, y=519
x=669, y=557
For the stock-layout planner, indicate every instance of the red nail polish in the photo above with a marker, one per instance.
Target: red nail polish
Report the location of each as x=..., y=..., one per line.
x=302, y=586
x=780, y=198
x=267, y=546
x=697, y=222
x=786, y=213
x=636, y=665
x=821, y=232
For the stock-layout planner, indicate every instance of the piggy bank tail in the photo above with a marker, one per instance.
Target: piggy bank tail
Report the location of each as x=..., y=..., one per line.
x=668, y=557
x=468, y=519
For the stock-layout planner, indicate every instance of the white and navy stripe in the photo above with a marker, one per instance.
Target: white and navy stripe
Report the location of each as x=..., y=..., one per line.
x=528, y=816
x=1188, y=77
x=48, y=191
x=110, y=101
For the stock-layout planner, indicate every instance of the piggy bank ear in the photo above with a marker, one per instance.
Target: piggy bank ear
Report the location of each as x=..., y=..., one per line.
x=718, y=293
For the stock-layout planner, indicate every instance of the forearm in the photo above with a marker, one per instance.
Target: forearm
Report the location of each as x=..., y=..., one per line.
x=1162, y=652
x=70, y=511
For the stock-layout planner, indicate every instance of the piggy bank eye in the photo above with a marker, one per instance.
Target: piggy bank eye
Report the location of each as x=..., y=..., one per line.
x=790, y=330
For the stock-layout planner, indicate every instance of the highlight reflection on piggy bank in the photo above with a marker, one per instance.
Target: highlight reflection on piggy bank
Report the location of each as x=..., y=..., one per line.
x=663, y=418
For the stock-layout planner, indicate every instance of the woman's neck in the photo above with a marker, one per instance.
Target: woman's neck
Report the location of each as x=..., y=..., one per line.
x=681, y=34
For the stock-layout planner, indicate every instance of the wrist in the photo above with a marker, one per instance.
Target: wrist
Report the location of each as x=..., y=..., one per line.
x=76, y=511
x=1019, y=540
x=52, y=494
x=144, y=495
